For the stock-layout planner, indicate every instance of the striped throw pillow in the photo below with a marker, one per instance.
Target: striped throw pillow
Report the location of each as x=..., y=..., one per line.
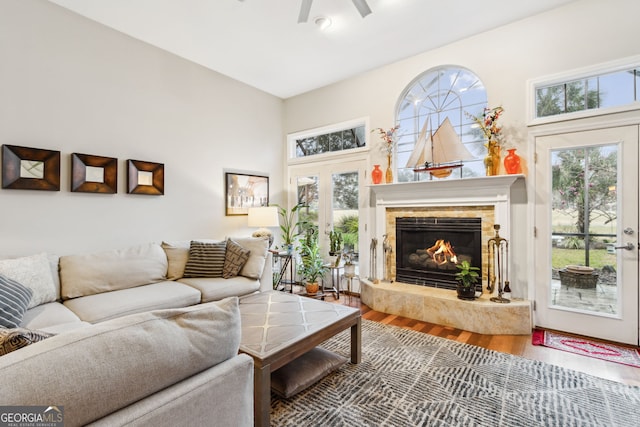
x=14, y=300
x=235, y=258
x=205, y=259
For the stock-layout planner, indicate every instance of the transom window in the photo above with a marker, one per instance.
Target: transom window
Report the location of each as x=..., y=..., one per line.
x=443, y=92
x=331, y=139
x=605, y=90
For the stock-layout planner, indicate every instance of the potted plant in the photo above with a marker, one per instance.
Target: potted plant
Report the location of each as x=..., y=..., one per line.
x=467, y=279
x=289, y=226
x=335, y=243
x=312, y=264
x=349, y=266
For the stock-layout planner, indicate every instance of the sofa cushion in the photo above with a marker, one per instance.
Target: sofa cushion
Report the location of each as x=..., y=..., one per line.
x=109, y=305
x=97, y=370
x=48, y=315
x=14, y=300
x=213, y=289
x=34, y=272
x=234, y=259
x=258, y=248
x=305, y=371
x=17, y=338
x=90, y=274
x=205, y=259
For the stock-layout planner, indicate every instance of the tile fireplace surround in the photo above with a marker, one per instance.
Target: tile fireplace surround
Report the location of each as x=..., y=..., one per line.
x=497, y=200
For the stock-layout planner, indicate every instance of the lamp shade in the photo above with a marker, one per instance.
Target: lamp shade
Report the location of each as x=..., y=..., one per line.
x=266, y=216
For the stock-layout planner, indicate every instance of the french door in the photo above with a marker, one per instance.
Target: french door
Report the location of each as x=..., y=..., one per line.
x=586, y=221
x=333, y=195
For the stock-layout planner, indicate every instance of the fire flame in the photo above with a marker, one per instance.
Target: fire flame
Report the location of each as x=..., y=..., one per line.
x=442, y=252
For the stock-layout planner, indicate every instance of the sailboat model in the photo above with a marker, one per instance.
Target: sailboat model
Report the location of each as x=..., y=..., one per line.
x=438, y=153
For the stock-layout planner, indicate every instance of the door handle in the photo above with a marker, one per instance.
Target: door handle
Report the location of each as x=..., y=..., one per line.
x=628, y=247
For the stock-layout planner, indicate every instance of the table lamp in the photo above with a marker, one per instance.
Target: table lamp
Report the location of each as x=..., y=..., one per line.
x=263, y=217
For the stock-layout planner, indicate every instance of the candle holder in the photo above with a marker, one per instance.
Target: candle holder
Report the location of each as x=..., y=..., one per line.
x=498, y=266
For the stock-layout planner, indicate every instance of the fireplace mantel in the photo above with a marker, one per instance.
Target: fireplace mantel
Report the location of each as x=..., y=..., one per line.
x=463, y=191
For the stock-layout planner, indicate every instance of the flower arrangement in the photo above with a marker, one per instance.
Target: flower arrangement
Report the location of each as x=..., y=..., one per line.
x=388, y=139
x=488, y=123
x=388, y=145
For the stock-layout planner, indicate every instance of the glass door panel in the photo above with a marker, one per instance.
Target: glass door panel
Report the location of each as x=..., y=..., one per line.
x=308, y=193
x=583, y=221
x=345, y=208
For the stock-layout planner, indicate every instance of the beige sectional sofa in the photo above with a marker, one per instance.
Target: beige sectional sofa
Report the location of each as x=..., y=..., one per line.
x=135, y=342
x=94, y=287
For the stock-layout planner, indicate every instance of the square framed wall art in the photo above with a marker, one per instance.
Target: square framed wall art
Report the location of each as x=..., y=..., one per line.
x=94, y=174
x=25, y=168
x=145, y=178
x=244, y=191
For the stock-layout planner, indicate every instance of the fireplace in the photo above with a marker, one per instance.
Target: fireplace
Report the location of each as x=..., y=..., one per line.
x=429, y=248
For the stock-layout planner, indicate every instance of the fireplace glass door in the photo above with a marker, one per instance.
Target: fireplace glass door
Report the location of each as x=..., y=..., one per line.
x=587, y=220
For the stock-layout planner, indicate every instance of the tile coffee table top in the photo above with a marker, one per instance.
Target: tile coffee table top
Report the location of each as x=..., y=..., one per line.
x=274, y=320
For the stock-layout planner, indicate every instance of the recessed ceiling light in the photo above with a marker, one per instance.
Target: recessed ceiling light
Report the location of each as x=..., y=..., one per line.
x=323, y=22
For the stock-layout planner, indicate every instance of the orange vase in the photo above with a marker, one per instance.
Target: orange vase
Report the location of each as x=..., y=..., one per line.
x=512, y=162
x=376, y=174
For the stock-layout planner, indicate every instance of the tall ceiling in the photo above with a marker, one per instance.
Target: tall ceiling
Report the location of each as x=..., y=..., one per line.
x=261, y=43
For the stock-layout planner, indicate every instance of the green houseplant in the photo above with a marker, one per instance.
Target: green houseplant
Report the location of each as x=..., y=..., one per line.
x=312, y=265
x=290, y=226
x=335, y=242
x=467, y=278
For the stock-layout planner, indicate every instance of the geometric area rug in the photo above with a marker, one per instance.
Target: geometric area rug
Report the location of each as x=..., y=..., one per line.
x=599, y=350
x=408, y=378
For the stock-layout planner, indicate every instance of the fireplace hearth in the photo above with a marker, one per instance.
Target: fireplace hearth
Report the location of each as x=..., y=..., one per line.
x=429, y=248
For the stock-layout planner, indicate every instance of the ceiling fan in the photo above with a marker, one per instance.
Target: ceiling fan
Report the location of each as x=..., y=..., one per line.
x=305, y=8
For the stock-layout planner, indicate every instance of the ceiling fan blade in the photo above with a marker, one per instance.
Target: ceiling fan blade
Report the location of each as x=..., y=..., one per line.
x=305, y=8
x=362, y=7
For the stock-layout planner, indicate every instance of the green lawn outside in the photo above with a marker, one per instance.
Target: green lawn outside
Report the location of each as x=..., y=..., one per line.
x=598, y=258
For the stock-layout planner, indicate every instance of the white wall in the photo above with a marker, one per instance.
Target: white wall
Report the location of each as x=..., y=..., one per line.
x=70, y=84
x=580, y=34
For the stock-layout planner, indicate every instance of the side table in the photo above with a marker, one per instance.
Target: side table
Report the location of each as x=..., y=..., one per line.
x=286, y=263
x=335, y=280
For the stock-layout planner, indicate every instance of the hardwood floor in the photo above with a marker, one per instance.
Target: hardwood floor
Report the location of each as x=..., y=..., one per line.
x=519, y=345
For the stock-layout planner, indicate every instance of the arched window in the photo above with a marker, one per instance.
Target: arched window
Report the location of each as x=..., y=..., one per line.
x=439, y=93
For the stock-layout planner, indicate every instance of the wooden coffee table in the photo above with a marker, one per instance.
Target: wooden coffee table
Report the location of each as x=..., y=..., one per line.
x=277, y=327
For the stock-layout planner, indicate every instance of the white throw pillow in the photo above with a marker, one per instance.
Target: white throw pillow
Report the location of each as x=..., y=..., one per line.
x=258, y=248
x=34, y=272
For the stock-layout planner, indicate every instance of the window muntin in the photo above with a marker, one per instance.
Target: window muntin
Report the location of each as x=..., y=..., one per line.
x=433, y=96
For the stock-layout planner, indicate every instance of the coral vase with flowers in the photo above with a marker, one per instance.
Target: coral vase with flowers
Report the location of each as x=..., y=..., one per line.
x=388, y=147
x=488, y=124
